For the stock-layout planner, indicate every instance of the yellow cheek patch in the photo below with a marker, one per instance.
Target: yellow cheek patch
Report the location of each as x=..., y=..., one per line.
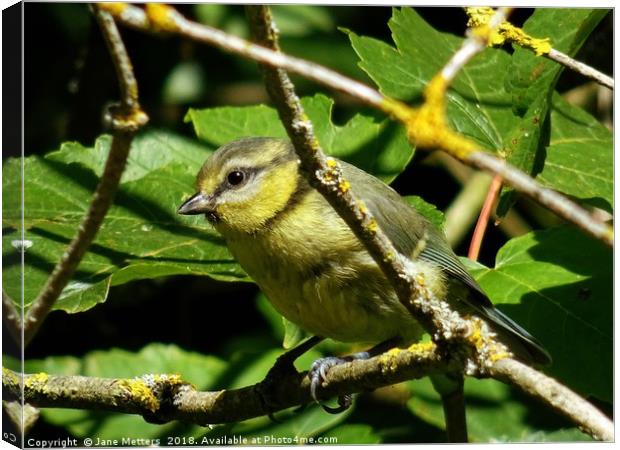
x=249, y=211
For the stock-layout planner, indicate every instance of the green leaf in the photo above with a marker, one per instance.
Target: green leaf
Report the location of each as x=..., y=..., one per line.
x=150, y=150
x=293, y=334
x=478, y=105
x=580, y=156
x=486, y=401
x=558, y=285
x=532, y=76
x=428, y=210
x=302, y=20
x=202, y=371
x=141, y=237
x=525, y=146
x=380, y=148
x=532, y=81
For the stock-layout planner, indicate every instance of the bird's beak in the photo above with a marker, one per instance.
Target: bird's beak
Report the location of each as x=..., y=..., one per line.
x=197, y=204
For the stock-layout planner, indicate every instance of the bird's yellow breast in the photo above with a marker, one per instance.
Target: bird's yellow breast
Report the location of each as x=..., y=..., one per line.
x=317, y=274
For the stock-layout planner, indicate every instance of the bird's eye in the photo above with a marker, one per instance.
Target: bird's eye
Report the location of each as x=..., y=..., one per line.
x=235, y=178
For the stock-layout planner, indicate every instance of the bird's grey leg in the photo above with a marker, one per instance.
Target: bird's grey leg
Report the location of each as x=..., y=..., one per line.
x=320, y=367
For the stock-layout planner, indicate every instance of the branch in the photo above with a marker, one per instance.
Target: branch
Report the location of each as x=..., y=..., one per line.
x=479, y=17
x=12, y=319
x=125, y=121
x=422, y=125
x=161, y=398
x=559, y=397
x=581, y=68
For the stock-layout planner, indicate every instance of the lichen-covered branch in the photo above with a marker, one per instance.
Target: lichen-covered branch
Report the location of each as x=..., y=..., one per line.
x=587, y=417
x=480, y=18
x=424, y=126
x=161, y=398
x=125, y=121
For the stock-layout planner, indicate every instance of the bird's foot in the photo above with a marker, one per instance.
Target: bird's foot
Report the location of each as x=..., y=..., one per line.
x=318, y=374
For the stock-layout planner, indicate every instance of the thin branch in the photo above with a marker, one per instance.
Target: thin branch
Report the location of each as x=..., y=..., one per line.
x=125, y=121
x=481, y=17
x=162, y=398
x=581, y=68
x=12, y=319
x=483, y=219
x=165, y=18
x=559, y=204
x=559, y=397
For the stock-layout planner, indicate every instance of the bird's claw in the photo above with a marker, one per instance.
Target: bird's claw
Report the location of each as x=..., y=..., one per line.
x=318, y=374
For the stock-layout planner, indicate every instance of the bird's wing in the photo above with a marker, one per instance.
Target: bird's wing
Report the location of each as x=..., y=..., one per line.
x=404, y=226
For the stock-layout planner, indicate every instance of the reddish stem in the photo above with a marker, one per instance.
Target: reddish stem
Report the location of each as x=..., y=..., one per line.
x=483, y=219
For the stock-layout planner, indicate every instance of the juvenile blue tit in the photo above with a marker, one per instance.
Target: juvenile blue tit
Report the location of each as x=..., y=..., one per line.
x=310, y=265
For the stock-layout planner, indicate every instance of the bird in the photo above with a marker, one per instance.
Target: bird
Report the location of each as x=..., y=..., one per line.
x=314, y=270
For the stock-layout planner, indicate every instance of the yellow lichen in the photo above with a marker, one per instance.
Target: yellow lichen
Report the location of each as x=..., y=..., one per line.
x=141, y=393
x=421, y=348
x=372, y=226
x=116, y=9
x=390, y=256
x=344, y=186
x=505, y=32
x=362, y=207
x=171, y=379
x=160, y=16
x=36, y=380
x=387, y=359
x=331, y=163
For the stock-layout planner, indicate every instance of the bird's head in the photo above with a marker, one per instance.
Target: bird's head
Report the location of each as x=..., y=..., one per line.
x=243, y=185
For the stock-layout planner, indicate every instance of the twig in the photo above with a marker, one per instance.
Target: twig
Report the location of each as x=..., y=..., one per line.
x=125, y=121
x=164, y=18
x=168, y=397
x=483, y=219
x=580, y=68
x=562, y=399
x=12, y=319
x=480, y=17
x=559, y=204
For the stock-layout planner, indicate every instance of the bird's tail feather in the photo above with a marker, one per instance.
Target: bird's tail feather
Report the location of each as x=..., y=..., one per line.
x=521, y=343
